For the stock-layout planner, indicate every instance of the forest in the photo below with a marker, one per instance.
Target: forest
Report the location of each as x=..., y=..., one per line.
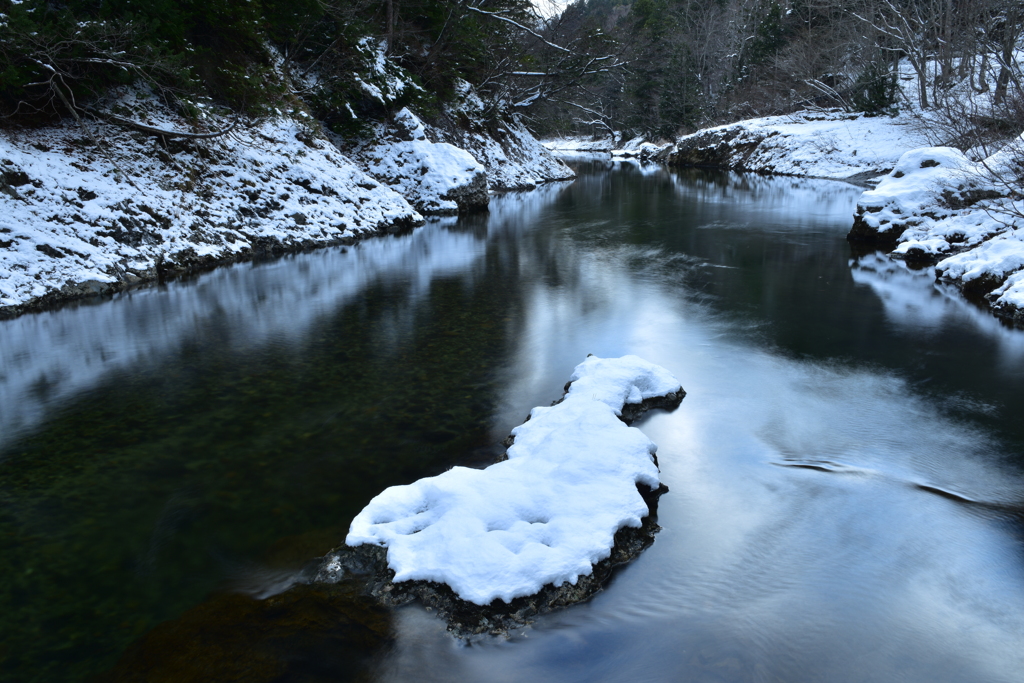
x=648, y=67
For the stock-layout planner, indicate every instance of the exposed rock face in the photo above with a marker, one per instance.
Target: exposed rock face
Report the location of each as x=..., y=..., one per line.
x=726, y=148
x=465, y=618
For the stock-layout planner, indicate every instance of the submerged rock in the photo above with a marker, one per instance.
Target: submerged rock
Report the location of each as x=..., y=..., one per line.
x=574, y=496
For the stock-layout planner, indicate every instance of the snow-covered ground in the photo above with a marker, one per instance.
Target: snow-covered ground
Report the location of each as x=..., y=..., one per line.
x=75, y=218
x=545, y=515
x=435, y=176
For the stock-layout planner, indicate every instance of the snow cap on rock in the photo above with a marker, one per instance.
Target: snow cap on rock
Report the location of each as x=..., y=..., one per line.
x=545, y=515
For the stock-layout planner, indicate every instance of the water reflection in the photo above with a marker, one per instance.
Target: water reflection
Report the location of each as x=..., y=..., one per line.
x=764, y=571
x=913, y=300
x=48, y=358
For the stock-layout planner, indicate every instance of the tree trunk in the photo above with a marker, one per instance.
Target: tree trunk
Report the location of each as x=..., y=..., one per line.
x=390, y=5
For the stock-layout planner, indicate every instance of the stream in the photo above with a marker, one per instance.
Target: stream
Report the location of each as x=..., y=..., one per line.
x=846, y=472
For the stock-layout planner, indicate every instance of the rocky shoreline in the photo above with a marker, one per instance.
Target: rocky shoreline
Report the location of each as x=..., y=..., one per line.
x=939, y=210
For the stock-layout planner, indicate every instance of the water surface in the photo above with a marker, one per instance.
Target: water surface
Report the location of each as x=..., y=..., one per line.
x=845, y=470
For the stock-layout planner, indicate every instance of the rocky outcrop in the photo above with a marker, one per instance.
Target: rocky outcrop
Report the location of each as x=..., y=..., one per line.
x=939, y=208
x=466, y=619
x=514, y=159
x=725, y=148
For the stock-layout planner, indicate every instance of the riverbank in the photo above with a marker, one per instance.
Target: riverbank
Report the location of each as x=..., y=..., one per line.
x=930, y=206
x=96, y=209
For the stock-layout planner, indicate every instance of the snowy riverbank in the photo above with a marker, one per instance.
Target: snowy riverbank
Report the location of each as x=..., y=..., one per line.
x=932, y=205
x=835, y=145
x=80, y=218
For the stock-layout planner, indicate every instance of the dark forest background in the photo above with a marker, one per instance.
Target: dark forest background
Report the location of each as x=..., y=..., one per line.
x=657, y=68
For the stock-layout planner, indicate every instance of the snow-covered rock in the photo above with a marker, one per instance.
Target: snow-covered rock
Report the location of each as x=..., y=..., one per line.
x=514, y=159
x=436, y=177
x=579, y=146
x=640, y=148
x=916, y=187
x=545, y=515
x=78, y=219
x=938, y=206
x=819, y=144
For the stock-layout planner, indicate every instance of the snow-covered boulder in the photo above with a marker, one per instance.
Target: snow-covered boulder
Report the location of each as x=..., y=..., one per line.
x=926, y=185
x=544, y=517
x=436, y=177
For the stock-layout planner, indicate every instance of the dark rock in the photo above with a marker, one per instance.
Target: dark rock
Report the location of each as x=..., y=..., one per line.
x=965, y=198
x=472, y=197
x=15, y=177
x=49, y=251
x=916, y=258
x=864, y=233
x=716, y=148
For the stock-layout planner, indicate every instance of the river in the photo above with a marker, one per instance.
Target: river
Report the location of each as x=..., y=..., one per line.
x=846, y=472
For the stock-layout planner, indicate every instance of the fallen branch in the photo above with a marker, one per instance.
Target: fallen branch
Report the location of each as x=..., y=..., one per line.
x=151, y=130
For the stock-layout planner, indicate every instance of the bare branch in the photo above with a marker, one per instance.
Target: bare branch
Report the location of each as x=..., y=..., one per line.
x=517, y=24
